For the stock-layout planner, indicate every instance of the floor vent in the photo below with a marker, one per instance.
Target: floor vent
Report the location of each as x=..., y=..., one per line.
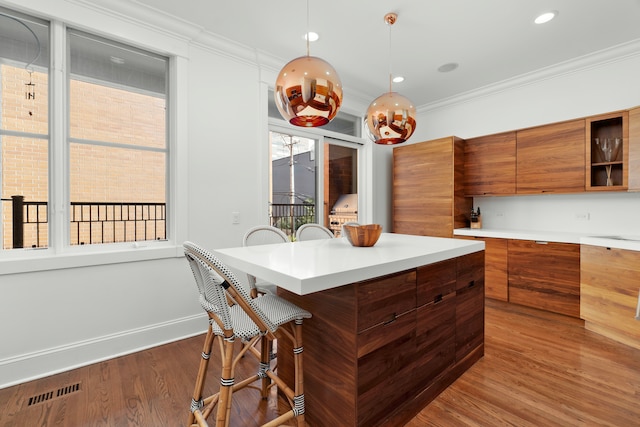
x=53, y=394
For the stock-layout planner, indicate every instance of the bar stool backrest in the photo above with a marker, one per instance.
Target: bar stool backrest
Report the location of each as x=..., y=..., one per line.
x=218, y=283
x=312, y=231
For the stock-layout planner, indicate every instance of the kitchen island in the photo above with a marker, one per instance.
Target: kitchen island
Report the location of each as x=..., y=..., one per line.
x=393, y=325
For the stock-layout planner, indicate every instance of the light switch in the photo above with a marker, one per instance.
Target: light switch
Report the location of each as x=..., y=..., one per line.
x=235, y=217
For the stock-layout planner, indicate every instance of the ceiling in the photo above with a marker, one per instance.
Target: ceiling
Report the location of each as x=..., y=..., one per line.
x=494, y=42
x=491, y=40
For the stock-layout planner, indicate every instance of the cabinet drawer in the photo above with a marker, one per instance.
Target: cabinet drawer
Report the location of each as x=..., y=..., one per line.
x=545, y=275
x=434, y=281
x=435, y=339
x=384, y=380
x=469, y=319
x=470, y=270
x=384, y=333
x=383, y=299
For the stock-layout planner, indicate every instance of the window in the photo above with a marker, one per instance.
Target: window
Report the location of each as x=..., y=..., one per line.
x=108, y=148
x=117, y=142
x=310, y=170
x=24, y=130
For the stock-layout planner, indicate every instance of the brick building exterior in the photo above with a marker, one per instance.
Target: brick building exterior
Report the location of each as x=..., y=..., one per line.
x=97, y=173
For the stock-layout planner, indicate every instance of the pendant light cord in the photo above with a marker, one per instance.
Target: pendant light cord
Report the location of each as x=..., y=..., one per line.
x=389, y=58
x=306, y=36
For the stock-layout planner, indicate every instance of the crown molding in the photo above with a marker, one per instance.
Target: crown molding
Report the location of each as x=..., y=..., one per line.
x=617, y=53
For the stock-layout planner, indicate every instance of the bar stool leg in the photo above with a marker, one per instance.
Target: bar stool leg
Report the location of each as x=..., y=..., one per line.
x=265, y=365
x=226, y=382
x=298, y=398
x=196, y=399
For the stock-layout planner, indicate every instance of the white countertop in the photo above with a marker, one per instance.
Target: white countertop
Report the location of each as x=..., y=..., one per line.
x=611, y=241
x=316, y=265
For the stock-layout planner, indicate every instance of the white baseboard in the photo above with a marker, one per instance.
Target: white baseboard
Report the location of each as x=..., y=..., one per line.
x=31, y=366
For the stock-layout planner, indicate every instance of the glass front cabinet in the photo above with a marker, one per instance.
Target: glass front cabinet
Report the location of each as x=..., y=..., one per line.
x=607, y=152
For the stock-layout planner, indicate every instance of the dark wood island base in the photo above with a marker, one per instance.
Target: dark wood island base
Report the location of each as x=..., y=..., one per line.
x=377, y=351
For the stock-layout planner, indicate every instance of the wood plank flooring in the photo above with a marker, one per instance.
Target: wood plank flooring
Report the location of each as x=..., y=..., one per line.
x=539, y=369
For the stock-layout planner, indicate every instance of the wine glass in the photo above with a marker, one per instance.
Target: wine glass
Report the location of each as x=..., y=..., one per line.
x=610, y=147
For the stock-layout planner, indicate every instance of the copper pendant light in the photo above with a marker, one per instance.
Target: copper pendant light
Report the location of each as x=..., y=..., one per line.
x=308, y=90
x=391, y=116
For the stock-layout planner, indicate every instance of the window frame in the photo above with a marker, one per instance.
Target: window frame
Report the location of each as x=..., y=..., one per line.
x=59, y=254
x=323, y=136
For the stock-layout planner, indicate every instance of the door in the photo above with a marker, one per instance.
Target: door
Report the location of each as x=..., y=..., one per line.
x=307, y=174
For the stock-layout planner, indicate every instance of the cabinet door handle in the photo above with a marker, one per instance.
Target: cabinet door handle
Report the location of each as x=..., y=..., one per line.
x=471, y=284
x=541, y=242
x=390, y=321
x=437, y=299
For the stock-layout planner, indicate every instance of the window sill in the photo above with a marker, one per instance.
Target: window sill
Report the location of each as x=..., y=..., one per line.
x=30, y=260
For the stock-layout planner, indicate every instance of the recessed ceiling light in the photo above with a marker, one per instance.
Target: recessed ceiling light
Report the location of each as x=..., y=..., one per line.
x=398, y=79
x=448, y=67
x=311, y=36
x=546, y=17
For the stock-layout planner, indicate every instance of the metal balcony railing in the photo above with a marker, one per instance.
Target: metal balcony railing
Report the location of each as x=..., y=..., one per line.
x=288, y=217
x=90, y=222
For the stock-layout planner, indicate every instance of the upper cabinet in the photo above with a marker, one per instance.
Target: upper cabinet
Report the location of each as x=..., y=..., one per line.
x=490, y=165
x=428, y=188
x=607, y=152
x=551, y=158
x=634, y=149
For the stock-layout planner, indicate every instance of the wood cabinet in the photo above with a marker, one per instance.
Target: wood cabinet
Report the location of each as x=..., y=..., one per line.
x=609, y=291
x=428, y=188
x=634, y=149
x=607, y=171
x=378, y=351
x=436, y=321
x=551, y=158
x=496, y=279
x=490, y=165
x=545, y=275
x=469, y=304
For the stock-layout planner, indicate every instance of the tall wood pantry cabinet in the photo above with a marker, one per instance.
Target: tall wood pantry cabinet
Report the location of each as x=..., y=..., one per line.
x=428, y=188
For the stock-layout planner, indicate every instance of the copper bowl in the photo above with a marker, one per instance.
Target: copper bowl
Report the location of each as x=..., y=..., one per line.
x=362, y=235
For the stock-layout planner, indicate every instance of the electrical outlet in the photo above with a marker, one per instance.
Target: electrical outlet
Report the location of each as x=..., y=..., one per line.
x=583, y=216
x=500, y=214
x=235, y=217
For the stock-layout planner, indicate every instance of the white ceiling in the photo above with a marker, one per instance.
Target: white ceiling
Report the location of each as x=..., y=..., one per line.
x=491, y=40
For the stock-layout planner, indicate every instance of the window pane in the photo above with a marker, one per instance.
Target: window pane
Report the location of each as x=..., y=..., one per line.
x=25, y=105
x=118, y=148
x=24, y=179
x=293, y=181
x=341, y=185
x=345, y=123
x=101, y=113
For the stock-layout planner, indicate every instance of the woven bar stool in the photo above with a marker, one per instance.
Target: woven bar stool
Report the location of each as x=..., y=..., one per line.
x=233, y=313
x=262, y=235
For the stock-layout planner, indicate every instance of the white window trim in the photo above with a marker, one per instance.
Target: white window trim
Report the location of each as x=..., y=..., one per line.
x=60, y=255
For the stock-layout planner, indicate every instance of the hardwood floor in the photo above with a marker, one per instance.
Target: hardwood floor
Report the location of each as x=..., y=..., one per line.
x=539, y=369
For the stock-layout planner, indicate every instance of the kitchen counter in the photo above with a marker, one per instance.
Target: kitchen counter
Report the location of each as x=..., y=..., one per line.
x=317, y=265
x=609, y=240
